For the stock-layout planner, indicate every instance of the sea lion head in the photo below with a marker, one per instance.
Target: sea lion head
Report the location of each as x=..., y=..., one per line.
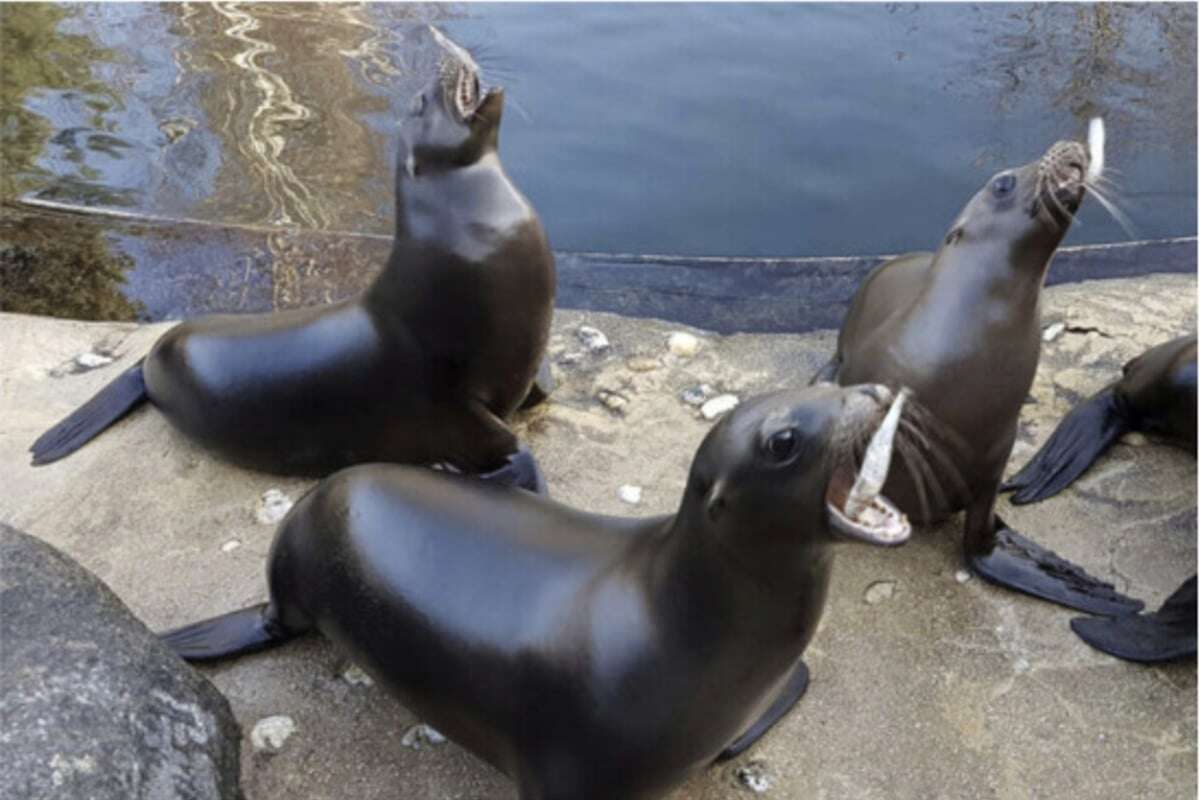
x=1028, y=208
x=782, y=465
x=453, y=121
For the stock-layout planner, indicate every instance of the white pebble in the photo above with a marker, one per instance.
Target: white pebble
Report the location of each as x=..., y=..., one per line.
x=91, y=360
x=1053, y=331
x=630, y=494
x=272, y=507
x=613, y=401
x=355, y=676
x=719, y=405
x=962, y=576
x=754, y=776
x=270, y=733
x=683, y=344
x=230, y=546
x=1021, y=665
x=592, y=338
x=419, y=735
x=879, y=591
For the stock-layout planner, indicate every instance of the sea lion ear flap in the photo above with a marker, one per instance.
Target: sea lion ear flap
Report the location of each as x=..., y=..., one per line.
x=714, y=500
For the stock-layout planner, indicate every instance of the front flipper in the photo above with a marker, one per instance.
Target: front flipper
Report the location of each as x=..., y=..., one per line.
x=1009, y=559
x=1079, y=439
x=543, y=385
x=521, y=470
x=791, y=693
x=1165, y=635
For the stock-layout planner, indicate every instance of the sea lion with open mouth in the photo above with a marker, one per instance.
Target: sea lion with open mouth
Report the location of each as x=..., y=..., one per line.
x=422, y=367
x=588, y=656
x=1156, y=394
x=961, y=328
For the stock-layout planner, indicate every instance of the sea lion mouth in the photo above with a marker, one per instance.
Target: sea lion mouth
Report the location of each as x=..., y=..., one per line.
x=856, y=507
x=1062, y=175
x=460, y=78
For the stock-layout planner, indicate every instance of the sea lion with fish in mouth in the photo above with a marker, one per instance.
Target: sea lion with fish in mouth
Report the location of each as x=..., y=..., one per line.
x=588, y=656
x=422, y=367
x=961, y=328
x=1156, y=394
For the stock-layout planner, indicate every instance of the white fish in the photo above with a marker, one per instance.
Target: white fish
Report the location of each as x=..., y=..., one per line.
x=1095, y=148
x=876, y=461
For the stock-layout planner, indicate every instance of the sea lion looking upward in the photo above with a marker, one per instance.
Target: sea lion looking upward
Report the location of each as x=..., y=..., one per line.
x=962, y=328
x=422, y=367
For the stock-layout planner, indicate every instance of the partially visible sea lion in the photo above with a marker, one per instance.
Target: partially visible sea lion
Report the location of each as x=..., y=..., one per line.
x=587, y=656
x=1156, y=394
x=961, y=328
x=424, y=366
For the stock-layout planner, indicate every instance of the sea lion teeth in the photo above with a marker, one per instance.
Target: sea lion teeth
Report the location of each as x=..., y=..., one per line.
x=1095, y=148
x=878, y=458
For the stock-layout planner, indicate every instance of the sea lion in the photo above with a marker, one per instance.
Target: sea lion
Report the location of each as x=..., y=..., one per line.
x=424, y=366
x=1156, y=394
x=961, y=328
x=585, y=656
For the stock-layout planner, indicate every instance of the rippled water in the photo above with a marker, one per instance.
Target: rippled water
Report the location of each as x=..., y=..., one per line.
x=693, y=129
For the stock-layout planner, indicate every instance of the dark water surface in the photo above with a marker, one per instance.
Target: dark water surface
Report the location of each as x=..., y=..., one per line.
x=688, y=129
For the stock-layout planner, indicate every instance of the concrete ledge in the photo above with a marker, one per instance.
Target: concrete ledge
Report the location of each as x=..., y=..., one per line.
x=923, y=686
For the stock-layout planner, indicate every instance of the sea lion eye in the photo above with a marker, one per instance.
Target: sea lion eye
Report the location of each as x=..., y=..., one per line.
x=1004, y=184
x=782, y=444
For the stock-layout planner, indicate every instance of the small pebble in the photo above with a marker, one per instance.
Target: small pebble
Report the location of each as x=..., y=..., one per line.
x=962, y=576
x=683, y=344
x=1021, y=665
x=719, y=405
x=1053, y=331
x=272, y=507
x=1135, y=439
x=879, y=591
x=754, y=776
x=92, y=360
x=270, y=733
x=642, y=364
x=630, y=494
x=613, y=401
x=419, y=735
x=570, y=359
x=355, y=676
x=592, y=338
x=696, y=395
x=230, y=546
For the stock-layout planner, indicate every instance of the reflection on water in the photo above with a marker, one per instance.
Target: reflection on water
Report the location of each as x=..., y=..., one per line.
x=708, y=130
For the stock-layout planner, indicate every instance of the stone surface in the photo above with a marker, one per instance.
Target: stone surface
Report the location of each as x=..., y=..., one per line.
x=947, y=690
x=92, y=705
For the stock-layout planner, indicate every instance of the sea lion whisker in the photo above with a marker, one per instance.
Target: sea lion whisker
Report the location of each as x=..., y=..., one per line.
x=1117, y=214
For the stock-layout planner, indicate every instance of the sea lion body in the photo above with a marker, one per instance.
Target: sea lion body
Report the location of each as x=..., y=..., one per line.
x=961, y=329
x=585, y=656
x=1157, y=390
x=424, y=366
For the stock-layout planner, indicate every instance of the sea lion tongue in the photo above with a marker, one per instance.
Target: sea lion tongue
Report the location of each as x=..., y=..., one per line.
x=866, y=514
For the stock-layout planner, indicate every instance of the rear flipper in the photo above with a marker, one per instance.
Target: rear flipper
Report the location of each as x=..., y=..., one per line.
x=791, y=693
x=827, y=373
x=1009, y=559
x=521, y=470
x=1165, y=635
x=111, y=403
x=245, y=631
x=1079, y=439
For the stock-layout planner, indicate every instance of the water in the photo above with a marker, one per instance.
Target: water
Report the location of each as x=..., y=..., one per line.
x=687, y=129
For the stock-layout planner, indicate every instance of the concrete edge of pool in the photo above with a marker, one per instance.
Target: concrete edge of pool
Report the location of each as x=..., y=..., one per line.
x=721, y=294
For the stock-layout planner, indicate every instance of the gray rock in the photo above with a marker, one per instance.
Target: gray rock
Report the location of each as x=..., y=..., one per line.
x=94, y=706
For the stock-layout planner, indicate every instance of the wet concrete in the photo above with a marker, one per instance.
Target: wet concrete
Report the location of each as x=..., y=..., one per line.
x=923, y=685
